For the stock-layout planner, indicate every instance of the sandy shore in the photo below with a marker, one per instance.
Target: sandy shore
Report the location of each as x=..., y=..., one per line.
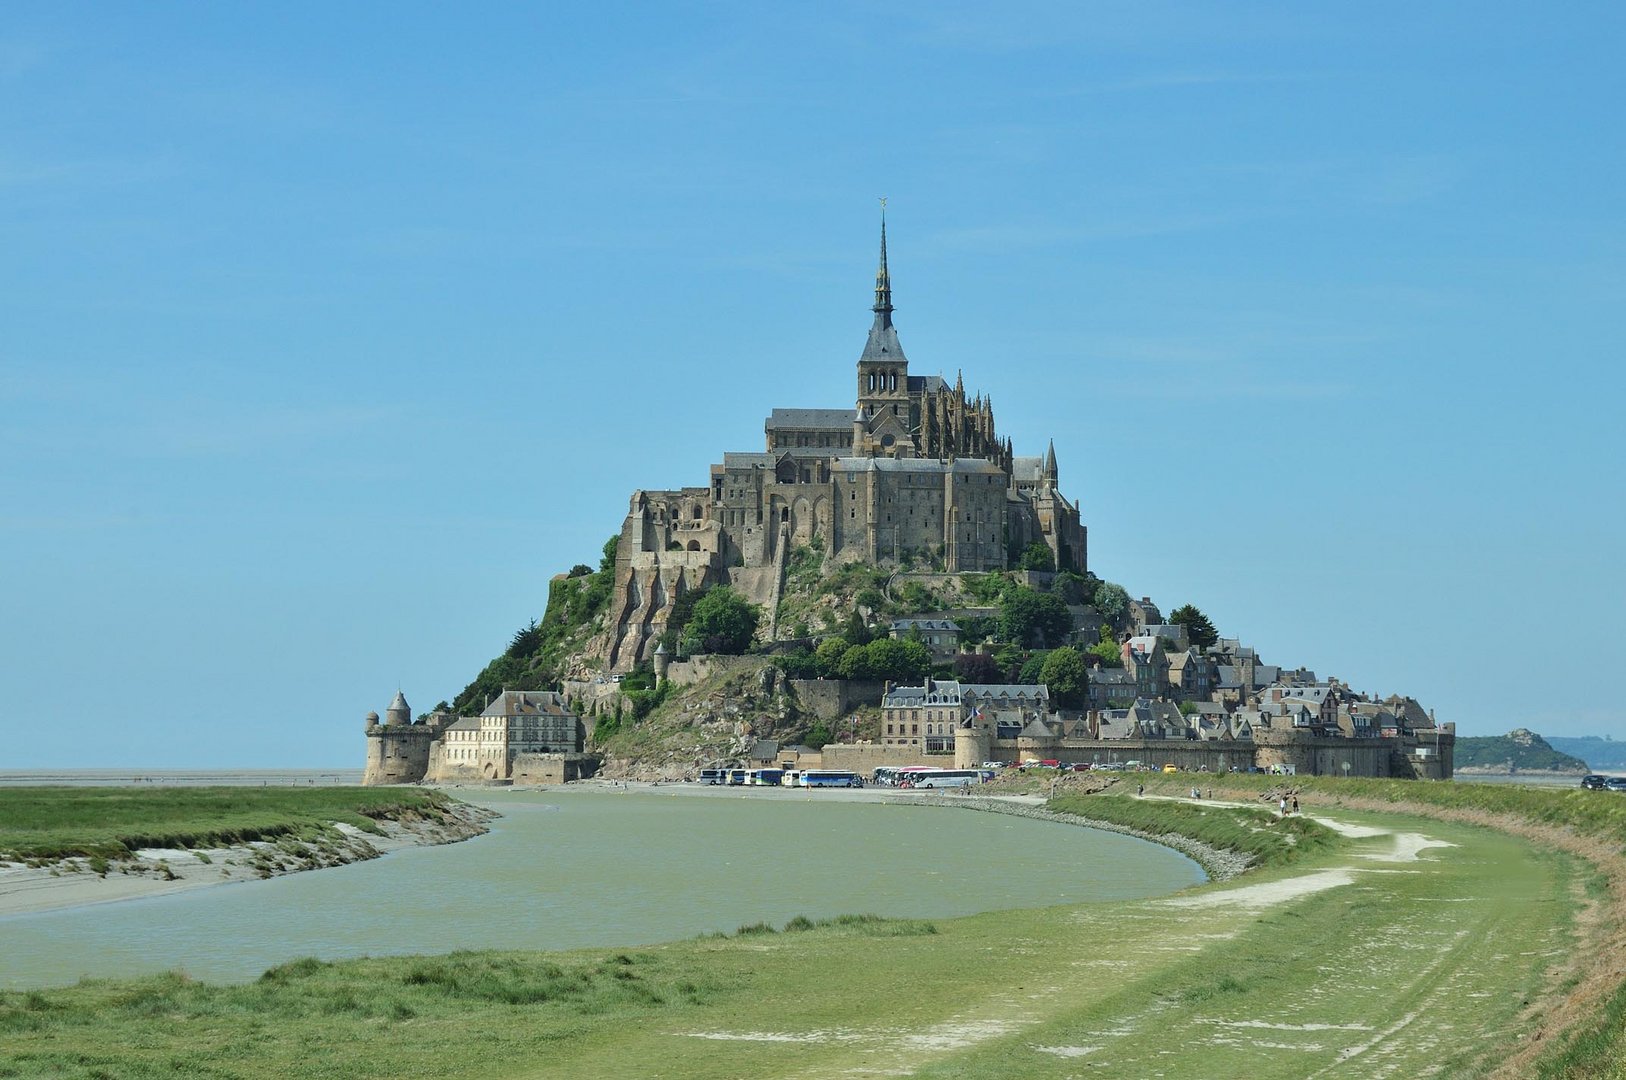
x=156, y=871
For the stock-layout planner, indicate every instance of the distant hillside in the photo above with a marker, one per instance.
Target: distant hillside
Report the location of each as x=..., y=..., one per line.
x=1519, y=750
x=1605, y=754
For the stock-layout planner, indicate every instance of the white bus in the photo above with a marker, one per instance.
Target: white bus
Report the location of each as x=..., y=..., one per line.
x=946, y=778
x=829, y=778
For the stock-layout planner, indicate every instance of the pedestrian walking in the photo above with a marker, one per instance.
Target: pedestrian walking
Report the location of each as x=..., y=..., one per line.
x=1283, y=806
x=1140, y=789
x=1295, y=804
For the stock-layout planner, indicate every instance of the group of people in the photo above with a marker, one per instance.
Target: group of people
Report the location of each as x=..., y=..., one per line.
x=1282, y=805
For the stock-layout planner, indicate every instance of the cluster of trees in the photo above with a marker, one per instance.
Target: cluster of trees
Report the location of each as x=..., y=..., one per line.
x=714, y=620
x=1029, y=618
x=855, y=654
x=1064, y=670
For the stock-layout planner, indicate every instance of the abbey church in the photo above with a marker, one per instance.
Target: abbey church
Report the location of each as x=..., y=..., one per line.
x=916, y=473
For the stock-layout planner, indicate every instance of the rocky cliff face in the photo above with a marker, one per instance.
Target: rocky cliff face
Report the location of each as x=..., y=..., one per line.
x=713, y=723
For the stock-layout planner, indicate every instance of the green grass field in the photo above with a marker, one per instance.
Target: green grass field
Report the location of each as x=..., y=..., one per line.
x=1374, y=955
x=42, y=824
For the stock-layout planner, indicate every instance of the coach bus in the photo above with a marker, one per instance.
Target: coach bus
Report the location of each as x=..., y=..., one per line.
x=946, y=778
x=829, y=778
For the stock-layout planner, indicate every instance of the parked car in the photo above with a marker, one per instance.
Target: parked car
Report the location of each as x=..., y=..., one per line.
x=1615, y=783
x=1594, y=782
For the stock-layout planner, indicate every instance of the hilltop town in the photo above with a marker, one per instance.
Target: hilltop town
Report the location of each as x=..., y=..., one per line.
x=885, y=585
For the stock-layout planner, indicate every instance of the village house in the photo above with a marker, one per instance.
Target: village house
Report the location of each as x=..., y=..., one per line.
x=940, y=636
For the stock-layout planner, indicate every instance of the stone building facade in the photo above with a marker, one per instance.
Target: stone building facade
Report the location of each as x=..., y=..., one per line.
x=522, y=736
x=916, y=472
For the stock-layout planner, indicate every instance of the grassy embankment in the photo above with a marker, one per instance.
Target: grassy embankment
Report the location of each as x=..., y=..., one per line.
x=102, y=825
x=1256, y=834
x=1348, y=959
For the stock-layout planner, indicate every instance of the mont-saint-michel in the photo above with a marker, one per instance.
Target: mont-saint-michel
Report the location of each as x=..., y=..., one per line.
x=887, y=586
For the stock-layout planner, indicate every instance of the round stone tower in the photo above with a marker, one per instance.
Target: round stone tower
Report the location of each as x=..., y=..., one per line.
x=399, y=711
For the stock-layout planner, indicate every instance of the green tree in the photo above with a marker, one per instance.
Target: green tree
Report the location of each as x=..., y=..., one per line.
x=856, y=631
x=724, y=621
x=1032, y=668
x=977, y=668
x=527, y=639
x=854, y=663
x=828, y=656
x=1069, y=586
x=1111, y=600
x=1106, y=650
x=1037, y=556
x=606, y=565
x=900, y=661
x=1067, y=677
x=1198, y=628
x=1028, y=617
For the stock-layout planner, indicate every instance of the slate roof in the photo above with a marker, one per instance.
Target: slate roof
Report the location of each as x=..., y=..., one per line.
x=1027, y=469
x=978, y=466
x=527, y=703
x=1006, y=690
x=942, y=692
x=811, y=420
x=902, y=625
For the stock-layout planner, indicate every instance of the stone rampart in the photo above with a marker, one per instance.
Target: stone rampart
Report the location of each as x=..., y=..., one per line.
x=397, y=754
x=865, y=758
x=831, y=699
x=553, y=768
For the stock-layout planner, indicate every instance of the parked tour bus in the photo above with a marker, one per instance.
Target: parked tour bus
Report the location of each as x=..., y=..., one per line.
x=790, y=778
x=946, y=778
x=736, y=777
x=714, y=776
x=830, y=778
x=764, y=777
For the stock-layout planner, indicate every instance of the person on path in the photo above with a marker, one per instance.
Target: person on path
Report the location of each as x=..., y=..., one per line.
x=1295, y=804
x=1140, y=789
x=1283, y=806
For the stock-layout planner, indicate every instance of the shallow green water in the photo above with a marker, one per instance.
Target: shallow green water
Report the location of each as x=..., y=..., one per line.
x=569, y=869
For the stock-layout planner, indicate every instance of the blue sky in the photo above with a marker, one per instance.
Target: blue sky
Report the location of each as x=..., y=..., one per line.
x=328, y=333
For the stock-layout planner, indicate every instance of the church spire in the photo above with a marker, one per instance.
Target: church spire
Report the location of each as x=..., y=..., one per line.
x=1050, y=463
x=883, y=342
x=883, y=281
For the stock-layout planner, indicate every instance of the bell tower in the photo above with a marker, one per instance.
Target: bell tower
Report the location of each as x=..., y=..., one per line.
x=883, y=370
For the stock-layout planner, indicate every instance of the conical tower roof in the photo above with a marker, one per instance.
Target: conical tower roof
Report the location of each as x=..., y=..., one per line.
x=883, y=341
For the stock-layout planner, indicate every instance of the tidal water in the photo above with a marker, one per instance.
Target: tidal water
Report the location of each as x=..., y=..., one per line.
x=566, y=869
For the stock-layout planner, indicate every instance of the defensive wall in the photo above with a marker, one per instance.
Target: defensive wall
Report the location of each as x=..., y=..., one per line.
x=831, y=699
x=1411, y=758
x=865, y=758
